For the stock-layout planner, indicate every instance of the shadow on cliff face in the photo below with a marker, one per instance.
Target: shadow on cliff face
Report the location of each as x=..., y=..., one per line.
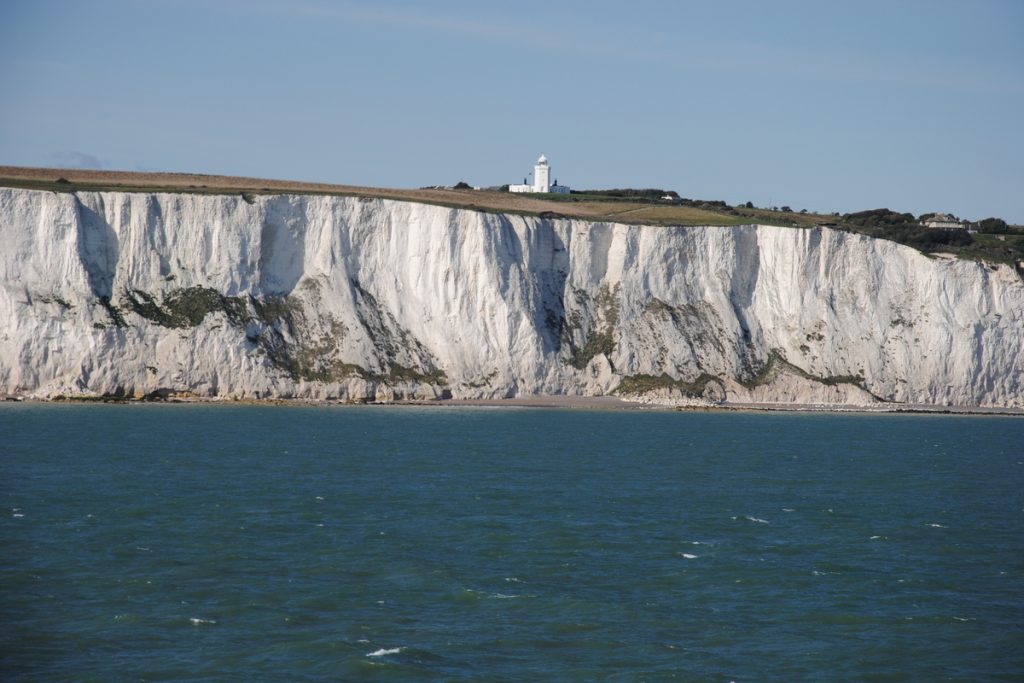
x=98, y=248
x=538, y=270
x=282, y=246
x=742, y=284
x=549, y=279
x=157, y=234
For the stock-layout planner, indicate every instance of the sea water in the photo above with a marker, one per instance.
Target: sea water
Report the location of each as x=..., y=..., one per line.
x=250, y=543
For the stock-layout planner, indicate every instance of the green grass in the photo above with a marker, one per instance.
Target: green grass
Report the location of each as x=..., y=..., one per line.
x=1008, y=250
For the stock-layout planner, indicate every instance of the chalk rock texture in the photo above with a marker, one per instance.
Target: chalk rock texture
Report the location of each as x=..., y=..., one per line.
x=135, y=294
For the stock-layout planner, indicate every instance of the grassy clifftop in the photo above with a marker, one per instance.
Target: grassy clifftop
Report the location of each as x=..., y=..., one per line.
x=71, y=180
x=616, y=206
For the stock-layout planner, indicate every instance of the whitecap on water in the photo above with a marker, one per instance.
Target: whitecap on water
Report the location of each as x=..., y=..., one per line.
x=757, y=519
x=689, y=556
x=500, y=596
x=381, y=652
x=196, y=621
x=937, y=526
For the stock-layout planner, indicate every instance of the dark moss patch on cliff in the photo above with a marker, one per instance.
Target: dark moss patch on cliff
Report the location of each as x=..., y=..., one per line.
x=311, y=365
x=399, y=373
x=600, y=343
x=184, y=308
x=56, y=300
x=274, y=310
x=146, y=306
x=276, y=325
x=100, y=398
x=776, y=363
x=601, y=339
x=291, y=345
x=113, y=311
x=303, y=346
x=402, y=357
x=193, y=304
x=697, y=388
x=677, y=314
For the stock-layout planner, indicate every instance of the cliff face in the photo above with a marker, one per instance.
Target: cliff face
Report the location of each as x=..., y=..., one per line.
x=336, y=297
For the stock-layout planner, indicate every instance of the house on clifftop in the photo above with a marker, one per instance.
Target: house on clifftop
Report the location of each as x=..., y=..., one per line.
x=541, y=180
x=944, y=221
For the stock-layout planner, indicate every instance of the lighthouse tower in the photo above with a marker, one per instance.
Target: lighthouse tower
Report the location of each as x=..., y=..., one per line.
x=541, y=180
x=541, y=175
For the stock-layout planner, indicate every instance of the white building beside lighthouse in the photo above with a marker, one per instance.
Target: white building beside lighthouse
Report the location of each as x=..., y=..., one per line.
x=541, y=180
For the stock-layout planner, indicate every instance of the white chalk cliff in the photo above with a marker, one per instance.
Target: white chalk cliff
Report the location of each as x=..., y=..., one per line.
x=109, y=293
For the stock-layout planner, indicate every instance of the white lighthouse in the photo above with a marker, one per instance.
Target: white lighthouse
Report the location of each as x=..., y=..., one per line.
x=541, y=180
x=541, y=175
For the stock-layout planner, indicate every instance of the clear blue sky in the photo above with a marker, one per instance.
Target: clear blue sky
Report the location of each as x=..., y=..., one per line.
x=913, y=105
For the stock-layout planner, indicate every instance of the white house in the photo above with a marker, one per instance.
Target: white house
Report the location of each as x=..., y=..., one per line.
x=943, y=221
x=541, y=180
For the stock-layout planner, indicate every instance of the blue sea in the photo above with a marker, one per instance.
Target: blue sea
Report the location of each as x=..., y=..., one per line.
x=297, y=543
